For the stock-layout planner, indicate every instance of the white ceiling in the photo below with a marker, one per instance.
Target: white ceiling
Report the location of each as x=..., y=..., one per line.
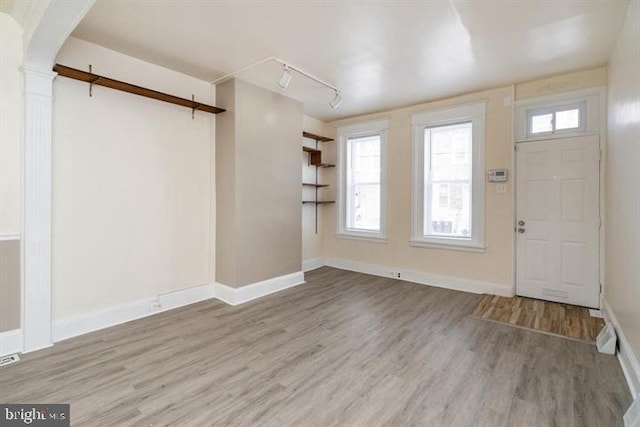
x=380, y=54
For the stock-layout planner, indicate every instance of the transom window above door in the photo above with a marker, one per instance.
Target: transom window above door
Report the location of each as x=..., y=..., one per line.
x=561, y=115
x=558, y=119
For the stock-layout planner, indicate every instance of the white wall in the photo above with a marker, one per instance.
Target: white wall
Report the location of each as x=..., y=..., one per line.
x=622, y=274
x=132, y=185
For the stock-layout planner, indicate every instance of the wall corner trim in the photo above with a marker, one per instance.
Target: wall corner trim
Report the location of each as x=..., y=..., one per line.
x=626, y=357
x=236, y=296
x=11, y=342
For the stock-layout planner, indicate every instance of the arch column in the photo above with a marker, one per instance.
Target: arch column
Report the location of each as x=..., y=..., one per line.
x=54, y=27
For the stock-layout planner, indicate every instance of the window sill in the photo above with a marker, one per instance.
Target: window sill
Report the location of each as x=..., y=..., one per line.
x=448, y=246
x=363, y=237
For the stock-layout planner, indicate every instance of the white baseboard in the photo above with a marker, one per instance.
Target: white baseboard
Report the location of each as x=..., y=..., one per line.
x=78, y=325
x=448, y=282
x=312, y=264
x=235, y=296
x=11, y=342
x=626, y=357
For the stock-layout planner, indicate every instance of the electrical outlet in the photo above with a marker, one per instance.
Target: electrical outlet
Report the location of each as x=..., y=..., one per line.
x=398, y=274
x=156, y=305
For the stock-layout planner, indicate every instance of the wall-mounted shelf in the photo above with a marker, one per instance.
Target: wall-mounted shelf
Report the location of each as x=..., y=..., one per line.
x=95, y=79
x=315, y=159
x=310, y=150
x=316, y=137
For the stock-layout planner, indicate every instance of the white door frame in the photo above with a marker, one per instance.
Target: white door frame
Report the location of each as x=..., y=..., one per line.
x=598, y=125
x=46, y=28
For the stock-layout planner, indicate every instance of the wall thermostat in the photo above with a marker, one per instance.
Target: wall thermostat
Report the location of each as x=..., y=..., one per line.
x=498, y=175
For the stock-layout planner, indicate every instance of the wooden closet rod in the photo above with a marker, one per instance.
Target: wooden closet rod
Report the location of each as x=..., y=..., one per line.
x=136, y=90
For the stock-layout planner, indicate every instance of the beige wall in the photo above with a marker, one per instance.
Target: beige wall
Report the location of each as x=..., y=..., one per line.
x=10, y=285
x=493, y=266
x=262, y=196
x=11, y=56
x=622, y=273
x=312, y=242
x=131, y=185
x=226, y=193
x=496, y=264
x=568, y=82
x=10, y=125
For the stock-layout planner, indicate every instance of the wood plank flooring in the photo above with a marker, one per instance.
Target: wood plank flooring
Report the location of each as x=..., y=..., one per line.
x=345, y=349
x=554, y=318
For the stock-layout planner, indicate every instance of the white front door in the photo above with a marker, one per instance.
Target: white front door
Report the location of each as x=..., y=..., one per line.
x=558, y=220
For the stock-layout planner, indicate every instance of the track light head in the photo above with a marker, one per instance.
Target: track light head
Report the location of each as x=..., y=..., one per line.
x=336, y=101
x=285, y=79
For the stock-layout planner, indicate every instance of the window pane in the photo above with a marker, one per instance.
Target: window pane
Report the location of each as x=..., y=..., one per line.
x=568, y=119
x=542, y=123
x=366, y=207
x=449, y=213
x=447, y=196
x=363, y=183
x=449, y=151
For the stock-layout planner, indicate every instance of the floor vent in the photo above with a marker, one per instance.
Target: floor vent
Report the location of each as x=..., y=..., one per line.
x=7, y=360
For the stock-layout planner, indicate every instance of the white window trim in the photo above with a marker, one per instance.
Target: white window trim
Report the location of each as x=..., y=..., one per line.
x=349, y=131
x=475, y=113
x=591, y=99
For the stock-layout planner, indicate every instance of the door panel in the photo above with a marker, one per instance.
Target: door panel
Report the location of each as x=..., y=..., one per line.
x=557, y=254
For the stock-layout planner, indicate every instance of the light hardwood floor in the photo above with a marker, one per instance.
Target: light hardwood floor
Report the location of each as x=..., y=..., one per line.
x=345, y=349
x=554, y=318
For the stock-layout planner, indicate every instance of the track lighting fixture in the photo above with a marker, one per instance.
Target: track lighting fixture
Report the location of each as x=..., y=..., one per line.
x=285, y=79
x=336, y=101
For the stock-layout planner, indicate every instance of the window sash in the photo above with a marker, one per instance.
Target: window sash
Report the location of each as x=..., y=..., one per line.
x=347, y=224
x=430, y=196
x=353, y=183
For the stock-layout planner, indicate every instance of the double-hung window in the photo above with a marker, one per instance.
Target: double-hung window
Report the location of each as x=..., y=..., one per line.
x=448, y=178
x=361, y=201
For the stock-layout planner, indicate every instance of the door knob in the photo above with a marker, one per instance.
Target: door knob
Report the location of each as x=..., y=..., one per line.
x=521, y=223
x=520, y=230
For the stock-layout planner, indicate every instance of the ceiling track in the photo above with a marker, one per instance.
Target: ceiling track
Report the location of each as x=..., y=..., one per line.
x=95, y=79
